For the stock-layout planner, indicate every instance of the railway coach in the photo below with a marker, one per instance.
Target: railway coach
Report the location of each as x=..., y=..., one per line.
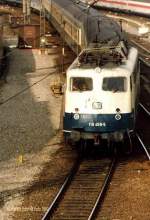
x=80, y=26
x=141, y=7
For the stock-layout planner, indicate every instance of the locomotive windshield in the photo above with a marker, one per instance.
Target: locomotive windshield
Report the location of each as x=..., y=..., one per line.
x=115, y=84
x=81, y=84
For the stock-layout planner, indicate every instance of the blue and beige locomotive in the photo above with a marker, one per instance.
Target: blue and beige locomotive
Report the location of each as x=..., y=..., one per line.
x=102, y=94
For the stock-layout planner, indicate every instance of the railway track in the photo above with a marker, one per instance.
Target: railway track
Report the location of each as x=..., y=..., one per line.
x=144, y=50
x=111, y=198
x=139, y=134
x=132, y=25
x=83, y=190
x=145, y=148
x=142, y=45
x=145, y=109
x=117, y=198
x=145, y=88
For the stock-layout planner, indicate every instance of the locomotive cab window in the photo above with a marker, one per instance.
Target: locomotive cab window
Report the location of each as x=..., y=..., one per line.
x=115, y=84
x=81, y=84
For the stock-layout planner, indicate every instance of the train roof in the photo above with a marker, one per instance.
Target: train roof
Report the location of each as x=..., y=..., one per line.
x=102, y=55
x=105, y=58
x=97, y=27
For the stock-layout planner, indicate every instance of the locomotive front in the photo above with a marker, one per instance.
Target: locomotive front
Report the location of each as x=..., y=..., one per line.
x=99, y=103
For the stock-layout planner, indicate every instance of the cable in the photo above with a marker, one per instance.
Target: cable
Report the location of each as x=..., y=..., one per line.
x=22, y=91
x=19, y=93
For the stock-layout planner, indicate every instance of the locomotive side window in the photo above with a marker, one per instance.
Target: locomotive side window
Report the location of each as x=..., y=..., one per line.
x=81, y=84
x=115, y=84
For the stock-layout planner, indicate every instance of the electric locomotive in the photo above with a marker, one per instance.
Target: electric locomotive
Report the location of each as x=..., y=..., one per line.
x=102, y=94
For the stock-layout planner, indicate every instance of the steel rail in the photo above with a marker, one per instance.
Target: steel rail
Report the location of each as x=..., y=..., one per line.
x=142, y=106
x=103, y=189
x=67, y=180
x=142, y=55
x=140, y=46
x=144, y=61
x=144, y=147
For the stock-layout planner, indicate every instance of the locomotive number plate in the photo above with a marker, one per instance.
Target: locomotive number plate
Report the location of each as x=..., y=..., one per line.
x=97, y=124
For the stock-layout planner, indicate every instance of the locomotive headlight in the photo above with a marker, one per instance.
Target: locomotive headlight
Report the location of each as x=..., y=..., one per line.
x=76, y=116
x=96, y=105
